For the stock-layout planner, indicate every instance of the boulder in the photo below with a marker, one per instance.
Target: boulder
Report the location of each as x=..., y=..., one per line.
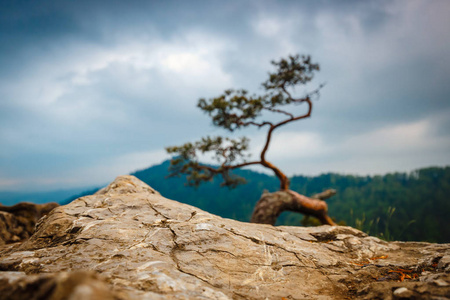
x=17, y=222
x=129, y=242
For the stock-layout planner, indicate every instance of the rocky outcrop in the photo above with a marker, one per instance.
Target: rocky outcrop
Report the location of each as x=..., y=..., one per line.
x=128, y=242
x=17, y=222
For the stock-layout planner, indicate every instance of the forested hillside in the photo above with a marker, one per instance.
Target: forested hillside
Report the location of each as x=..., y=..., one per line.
x=398, y=206
x=395, y=206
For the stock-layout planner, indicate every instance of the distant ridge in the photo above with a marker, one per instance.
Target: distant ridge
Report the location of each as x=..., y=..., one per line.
x=11, y=198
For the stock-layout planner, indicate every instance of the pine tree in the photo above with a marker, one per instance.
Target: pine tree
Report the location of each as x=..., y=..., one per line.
x=235, y=110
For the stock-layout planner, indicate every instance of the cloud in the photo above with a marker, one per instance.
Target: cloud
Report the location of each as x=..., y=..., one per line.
x=402, y=148
x=90, y=86
x=98, y=171
x=9, y=182
x=268, y=27
x=397, y=139
x=105, y=103
x=87, y=85
x=105, y=170
x=286, y=145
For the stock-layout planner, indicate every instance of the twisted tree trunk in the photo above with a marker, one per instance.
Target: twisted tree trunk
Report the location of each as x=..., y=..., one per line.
x=271, y=205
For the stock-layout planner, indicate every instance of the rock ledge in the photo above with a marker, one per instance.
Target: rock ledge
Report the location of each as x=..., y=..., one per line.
x=128, y=242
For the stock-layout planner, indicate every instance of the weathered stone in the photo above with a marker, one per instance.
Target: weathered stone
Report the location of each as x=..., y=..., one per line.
x=444, y=263
x=144, y=246
x=17, y=222
x=403, y=293
x=75, y=286
x=441, y=282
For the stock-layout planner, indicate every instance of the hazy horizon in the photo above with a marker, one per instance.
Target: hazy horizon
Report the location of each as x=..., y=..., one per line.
x=83, y=188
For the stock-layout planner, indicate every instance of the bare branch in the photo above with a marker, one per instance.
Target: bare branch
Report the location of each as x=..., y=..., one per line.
x=254, y=123
x=279, y=111
x=245, y=164
x=283, y=87
x=315, y=92
x=308, y=114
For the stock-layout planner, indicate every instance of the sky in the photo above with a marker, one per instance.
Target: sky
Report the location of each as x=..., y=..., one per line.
x=90, y=90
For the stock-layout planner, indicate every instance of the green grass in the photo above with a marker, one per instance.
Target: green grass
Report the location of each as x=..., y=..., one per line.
x=379, y=226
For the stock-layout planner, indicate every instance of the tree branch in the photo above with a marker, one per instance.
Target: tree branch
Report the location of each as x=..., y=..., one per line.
x=245, y=164
x=284, y=181
x=271, y=205
x=254, y=123
x=308, y=114
x=279, y=111
x=308, y=96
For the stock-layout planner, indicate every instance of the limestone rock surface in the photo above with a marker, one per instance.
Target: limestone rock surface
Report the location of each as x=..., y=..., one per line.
x=128, y=242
